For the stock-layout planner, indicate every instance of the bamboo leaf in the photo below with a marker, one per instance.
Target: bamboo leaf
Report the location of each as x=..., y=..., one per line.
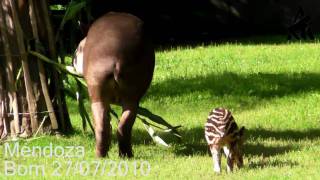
x=114, y=114
x=82, y=110
x=18, y=77
x=73, y=9
x=154, y=136
x=152, y=132
x=61, y=67
x=141, y=111
x=159, y=120
x=70, y=93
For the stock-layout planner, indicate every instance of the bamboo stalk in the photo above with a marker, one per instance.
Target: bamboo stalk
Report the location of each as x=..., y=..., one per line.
x=9, y=69
x=41, y=124
x=52, y=50
x=62, y=109
x=2, y=115
x=48, y=26
x=43, y=79
x=24, y=57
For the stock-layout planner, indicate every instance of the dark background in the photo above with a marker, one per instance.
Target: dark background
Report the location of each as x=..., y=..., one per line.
x=185, y=21
x=211, y=19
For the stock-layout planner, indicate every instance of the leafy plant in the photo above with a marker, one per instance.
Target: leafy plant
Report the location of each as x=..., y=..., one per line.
x=143, y=113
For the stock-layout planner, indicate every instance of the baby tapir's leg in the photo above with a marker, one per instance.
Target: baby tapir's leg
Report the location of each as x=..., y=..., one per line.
x=216, y=157
x=240, y=162
x=229, y=155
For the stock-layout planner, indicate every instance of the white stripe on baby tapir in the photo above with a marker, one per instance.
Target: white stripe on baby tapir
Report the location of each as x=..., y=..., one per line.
x=218, y=121
x=214, y=111
x=211, y=134
x=213, y=141
x=211, y=125
x=216, y=130
x=215, y=116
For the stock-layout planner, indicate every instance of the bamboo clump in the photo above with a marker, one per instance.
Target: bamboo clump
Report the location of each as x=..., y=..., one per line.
x=26, y=98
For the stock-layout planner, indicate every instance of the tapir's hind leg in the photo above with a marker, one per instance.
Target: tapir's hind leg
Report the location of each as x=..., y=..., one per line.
x=100, y=107
x=102, y=127
x=124, y=129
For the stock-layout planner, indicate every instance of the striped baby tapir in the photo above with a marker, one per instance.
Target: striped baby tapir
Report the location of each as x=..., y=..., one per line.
x=222, y=133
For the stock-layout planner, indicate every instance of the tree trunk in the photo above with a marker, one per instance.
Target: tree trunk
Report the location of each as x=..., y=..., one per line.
x=25, y=100
x=42, y=75
x=26, y=73
x=62, y=105
x=10, y=78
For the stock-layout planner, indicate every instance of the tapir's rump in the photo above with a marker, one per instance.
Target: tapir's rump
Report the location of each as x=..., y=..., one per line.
x=118, y=52
x=118, y=64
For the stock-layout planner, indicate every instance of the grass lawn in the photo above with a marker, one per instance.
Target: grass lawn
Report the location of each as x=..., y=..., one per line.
x=273, y=89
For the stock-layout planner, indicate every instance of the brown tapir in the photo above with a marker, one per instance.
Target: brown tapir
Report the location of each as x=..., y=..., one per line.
x=118, y=68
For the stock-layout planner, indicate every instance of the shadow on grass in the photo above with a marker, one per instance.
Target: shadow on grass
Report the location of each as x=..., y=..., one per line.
x=291, y=135
x=139, y=137
x=194, y=142
x=250, y=88
x=264, y=85
x=265, y=163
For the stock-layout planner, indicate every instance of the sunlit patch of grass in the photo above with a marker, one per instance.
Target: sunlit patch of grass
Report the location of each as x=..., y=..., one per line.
x=271, y=88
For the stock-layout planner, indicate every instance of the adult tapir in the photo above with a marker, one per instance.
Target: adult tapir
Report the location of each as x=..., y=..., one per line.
x=118, y=65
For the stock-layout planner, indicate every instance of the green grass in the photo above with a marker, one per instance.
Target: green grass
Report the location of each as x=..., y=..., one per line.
x=273, y=89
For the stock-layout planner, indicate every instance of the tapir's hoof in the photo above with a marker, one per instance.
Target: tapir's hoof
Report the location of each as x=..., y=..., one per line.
x=101, y=152
x=102, y=148
x=125, y=152
x=126, y=155
x=101, y=155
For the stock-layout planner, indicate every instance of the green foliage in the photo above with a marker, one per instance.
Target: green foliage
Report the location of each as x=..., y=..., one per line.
x=59, y=66
x=57, y=7
x=271, y=89
x=81, y=89
x=73, y=10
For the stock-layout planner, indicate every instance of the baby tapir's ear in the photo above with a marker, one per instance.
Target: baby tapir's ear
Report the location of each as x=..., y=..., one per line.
x=241, y=131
